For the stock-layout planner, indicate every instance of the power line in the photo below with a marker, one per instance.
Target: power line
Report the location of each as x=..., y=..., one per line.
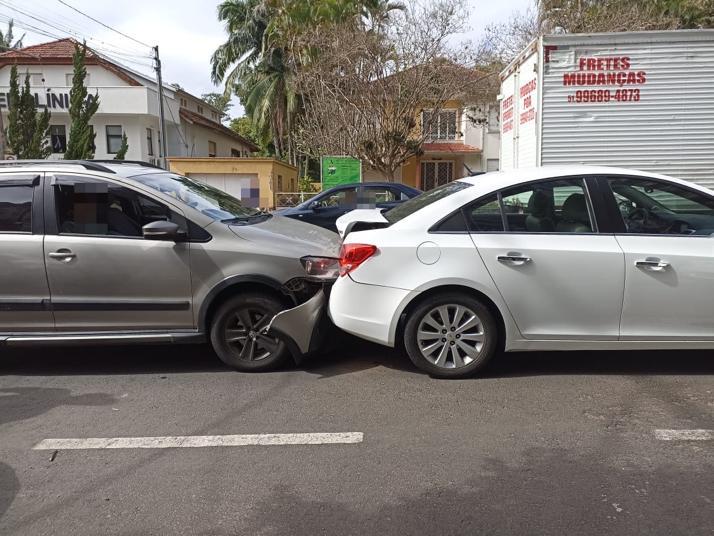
x=72, y=32
x=100, y=22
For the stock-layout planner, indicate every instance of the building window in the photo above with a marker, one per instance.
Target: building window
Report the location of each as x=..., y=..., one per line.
x=114, y=135
x=280, y=183
x=212, y=149
x=68, y=79
x=441, y=125
x=58, y=138
x=149, y=142
x=235, y=153
x=94, y=138
x=199, y=108
x=183, y=102
x=36, y=79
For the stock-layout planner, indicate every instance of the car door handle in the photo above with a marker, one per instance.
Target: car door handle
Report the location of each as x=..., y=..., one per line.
x=64, y=255
x=652, y=264
x=515, y=259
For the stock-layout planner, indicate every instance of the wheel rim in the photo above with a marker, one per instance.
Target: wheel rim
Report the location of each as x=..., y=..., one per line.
x=450, y=336
x=245, y=338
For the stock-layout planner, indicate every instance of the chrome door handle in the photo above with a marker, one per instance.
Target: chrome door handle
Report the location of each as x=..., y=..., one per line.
x=515, y=259
x=652, y=264
x=64, y=255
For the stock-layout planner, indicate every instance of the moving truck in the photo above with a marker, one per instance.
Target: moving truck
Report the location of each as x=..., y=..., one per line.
x=642, y=100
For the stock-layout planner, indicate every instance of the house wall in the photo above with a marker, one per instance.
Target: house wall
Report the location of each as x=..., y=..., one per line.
x=268, y=171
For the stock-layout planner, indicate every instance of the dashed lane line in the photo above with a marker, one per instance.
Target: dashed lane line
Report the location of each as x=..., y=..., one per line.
x=684, y=435
x=169, y=442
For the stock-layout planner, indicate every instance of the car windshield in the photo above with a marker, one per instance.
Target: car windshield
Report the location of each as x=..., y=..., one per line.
x=427, y=198
x=211, y=201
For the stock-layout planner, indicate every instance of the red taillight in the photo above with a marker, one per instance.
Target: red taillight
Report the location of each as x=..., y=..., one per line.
x=352, y=255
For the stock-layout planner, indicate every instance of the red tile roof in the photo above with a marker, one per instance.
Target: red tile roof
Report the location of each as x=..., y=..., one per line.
x=449, y=148
x=60, y=52
x=193, y=117
x=62, y=48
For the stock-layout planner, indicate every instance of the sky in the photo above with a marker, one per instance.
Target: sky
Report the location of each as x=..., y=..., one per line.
x=186, y=31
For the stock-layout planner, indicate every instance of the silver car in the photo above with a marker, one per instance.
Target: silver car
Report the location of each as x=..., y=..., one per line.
x=116, y=253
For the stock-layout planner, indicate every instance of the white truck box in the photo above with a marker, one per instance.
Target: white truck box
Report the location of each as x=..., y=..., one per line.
x=643, y=100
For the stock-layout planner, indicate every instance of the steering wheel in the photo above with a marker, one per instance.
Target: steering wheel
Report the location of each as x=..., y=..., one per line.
x=679, y=227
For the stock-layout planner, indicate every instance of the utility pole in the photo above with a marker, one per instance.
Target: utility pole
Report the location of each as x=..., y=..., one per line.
x=162, y=145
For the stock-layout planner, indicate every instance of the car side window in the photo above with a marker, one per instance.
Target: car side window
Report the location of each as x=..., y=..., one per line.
x=559, y=206
x=16, y=205
x=99, y=208
x=346, y=197
x=374, y=195
x=485, y=215
x=655, y=207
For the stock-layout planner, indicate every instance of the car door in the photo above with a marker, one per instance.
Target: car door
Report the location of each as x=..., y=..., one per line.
x=559, y=277
x=24, y=293
x=666, y=233
x=332, y=206
x=103, y=275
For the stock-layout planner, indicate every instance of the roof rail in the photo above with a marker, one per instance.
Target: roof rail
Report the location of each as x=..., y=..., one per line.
x=130, y=162
x=87, y=164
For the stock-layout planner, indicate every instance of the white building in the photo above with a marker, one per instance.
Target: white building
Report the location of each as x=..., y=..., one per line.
x=128, y=103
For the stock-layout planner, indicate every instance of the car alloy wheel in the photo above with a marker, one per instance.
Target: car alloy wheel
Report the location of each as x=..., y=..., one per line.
x=237, y=333
x=450, y=336
x=245, y=337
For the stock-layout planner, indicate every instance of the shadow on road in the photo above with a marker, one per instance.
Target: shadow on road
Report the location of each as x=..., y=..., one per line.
x=551, y=492
x=20, y=403
x=9, y=486
x=346, y=355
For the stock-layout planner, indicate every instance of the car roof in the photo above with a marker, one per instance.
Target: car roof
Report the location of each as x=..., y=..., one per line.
x=496, y=180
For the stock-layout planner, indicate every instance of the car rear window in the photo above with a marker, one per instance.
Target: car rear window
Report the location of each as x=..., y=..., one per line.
x=424, y=200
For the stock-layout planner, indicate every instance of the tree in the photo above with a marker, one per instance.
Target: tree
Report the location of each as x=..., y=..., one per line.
x=220, y=101
x=6, y=43
x=28, y=130
x=244, y=126
x=364, y=92
x=123, y=148
x=81, y=109
x=262, y=55
x=6, y=39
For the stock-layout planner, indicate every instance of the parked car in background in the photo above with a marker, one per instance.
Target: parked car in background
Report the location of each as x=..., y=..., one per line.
x=327, y=206
x=561, y=258
x=120, y=252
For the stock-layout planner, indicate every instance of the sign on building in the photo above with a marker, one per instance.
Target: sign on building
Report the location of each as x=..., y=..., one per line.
x=336, y=170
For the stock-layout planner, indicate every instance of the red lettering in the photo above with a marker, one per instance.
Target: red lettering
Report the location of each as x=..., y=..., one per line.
x=569, y=79
x=625, y=63
x=641, y=77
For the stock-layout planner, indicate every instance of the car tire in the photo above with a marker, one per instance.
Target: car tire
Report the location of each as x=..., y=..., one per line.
x=455, y=347
x=236, y=333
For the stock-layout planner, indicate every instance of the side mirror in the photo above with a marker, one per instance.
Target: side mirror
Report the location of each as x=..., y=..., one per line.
x=315, y=206
x=163, y=230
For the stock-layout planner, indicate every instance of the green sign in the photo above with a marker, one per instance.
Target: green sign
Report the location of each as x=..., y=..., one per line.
x=338, y=170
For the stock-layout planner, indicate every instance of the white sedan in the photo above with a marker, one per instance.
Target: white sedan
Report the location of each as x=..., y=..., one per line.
x=567, y=258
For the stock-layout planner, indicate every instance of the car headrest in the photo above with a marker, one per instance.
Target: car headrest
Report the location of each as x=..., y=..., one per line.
x=576, y=209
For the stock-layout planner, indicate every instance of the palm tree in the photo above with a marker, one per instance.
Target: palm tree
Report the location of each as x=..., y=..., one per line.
x=7, y=37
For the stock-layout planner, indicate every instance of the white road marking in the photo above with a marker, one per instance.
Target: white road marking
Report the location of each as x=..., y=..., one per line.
x=169, y=442
x=684, y=435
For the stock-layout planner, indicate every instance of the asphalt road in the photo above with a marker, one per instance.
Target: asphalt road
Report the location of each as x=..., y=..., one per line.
x=544, y=443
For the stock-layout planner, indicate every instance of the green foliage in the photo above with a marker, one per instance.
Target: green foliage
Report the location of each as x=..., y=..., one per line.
x=81, y=109
x=6, y=39
x=220, y=101
x=259, y=59
x=123, y=148
x=244, y=127
x=305, y=184
x=28, y=130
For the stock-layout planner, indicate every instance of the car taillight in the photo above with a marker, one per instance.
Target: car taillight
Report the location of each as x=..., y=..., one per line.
x=352, y=255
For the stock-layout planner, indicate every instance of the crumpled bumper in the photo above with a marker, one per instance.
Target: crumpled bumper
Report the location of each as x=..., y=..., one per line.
x=303, y=328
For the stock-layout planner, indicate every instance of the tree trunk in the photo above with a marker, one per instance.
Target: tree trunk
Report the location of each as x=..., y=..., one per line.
x=2, y=137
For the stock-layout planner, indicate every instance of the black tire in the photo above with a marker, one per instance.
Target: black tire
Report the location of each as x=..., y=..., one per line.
x=246, y=349
x=471, y=355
